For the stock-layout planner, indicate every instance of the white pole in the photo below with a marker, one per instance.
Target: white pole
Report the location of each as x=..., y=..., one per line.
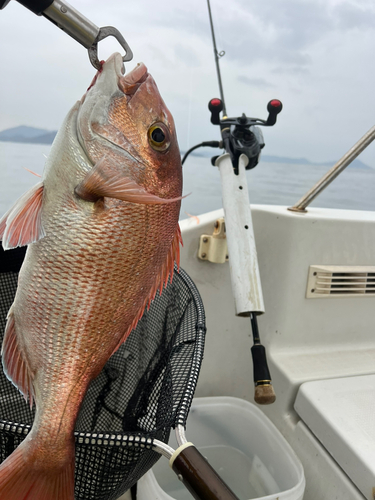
x=243, y=261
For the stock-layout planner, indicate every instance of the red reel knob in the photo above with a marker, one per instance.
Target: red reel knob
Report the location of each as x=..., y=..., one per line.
x=215, y=106
x=274, y=106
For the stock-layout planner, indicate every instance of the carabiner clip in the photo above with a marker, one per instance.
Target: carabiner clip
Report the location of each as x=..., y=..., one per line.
x=104, y=33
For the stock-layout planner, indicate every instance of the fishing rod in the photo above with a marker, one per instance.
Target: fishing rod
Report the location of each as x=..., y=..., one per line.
x=217, y=57
x=75, y=25
x=242, y=140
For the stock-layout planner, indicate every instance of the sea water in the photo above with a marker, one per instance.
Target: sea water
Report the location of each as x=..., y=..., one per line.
x=269, y=183
x=15, y=180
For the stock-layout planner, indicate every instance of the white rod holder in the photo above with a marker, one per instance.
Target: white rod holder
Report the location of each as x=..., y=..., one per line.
x=243, y=261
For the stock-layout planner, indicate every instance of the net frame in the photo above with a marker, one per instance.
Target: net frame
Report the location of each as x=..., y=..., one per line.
x=123, y=457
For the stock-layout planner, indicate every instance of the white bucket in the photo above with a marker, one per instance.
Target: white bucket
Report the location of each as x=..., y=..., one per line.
x=242, y=445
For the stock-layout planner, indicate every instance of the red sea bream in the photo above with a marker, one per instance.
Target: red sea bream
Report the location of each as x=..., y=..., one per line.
x=102, y=234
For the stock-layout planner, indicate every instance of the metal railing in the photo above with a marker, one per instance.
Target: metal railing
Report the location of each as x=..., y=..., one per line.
x=362, y=144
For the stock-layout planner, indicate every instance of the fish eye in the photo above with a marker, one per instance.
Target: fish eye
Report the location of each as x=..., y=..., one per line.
x=159, y=137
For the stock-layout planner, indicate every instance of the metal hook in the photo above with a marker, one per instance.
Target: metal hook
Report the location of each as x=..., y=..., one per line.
x=104, y=33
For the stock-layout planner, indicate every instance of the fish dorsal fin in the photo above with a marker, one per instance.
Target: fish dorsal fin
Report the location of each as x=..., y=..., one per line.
x=22, y=224
x=161, y=281
x=15, y=365
x=107, y=179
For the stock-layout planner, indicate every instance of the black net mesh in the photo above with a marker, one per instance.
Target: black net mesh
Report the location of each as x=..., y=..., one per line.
x=145, y=389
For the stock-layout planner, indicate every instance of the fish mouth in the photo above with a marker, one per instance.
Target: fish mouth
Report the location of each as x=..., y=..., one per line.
x=130, y=83
x=111, y=78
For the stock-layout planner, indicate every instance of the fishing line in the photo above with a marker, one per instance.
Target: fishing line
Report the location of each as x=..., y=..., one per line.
x=191, y=81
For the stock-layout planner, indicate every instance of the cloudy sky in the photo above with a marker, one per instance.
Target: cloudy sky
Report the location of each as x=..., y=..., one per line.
x=316, y=56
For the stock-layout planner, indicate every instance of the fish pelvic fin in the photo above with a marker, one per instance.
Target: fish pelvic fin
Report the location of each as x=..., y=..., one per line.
x=22, y=224
x=24, y=477
x=16, y=367
x=106, y=179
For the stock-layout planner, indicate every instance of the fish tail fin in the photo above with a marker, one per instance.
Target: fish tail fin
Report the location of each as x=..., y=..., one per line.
x=22, y=477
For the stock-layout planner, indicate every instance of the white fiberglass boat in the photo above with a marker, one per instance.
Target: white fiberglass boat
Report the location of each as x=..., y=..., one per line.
x=318, y=279
x=317, y=270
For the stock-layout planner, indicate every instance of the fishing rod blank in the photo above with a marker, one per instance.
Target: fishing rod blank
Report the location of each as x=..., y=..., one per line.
x=217, y=57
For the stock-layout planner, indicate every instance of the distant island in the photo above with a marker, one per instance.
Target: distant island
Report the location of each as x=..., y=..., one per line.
x=34, y=135
x=29, y=135
x=207, y=152
x=303, y=161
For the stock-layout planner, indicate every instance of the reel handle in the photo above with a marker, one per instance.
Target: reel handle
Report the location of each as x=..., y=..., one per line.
x=274, y=107
x=198, y=476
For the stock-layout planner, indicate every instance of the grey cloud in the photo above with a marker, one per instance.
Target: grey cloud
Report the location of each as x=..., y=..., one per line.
x=282, y=33
x=254, y=82
x=353, y=16
x=187, y=55
x=296, y=24
x=290, y=70
x=277, y=32
x=274, y=31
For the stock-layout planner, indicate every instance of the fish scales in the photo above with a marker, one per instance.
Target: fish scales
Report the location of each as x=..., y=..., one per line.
x=109, y=211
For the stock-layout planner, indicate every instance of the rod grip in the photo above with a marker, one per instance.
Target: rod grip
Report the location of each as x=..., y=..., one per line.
x=199, y=477
x=264, y=393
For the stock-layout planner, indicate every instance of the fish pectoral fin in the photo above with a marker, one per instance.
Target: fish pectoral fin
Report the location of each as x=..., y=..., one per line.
x=161, y=281
x=16, y=367
x=106, y=179
x=22, y=224
x=166, y=271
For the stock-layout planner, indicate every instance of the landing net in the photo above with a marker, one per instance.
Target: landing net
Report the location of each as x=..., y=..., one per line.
x=144, y=390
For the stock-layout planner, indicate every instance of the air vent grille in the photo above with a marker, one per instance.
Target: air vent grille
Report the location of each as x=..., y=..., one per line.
x=340, y=281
